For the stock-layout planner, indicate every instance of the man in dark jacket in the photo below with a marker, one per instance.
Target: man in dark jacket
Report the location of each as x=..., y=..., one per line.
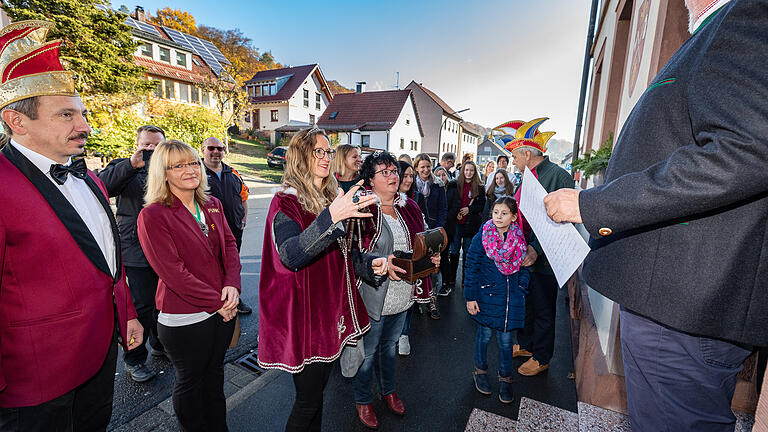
x=125, y=179
x=679, y=227
x=537, y=338
x=226, y=184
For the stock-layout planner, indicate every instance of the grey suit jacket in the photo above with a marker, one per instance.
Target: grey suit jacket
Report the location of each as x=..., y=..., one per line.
x=373, y=295
x=686, y=191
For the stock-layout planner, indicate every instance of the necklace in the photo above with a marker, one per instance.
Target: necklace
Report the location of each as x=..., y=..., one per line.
x=198, y=219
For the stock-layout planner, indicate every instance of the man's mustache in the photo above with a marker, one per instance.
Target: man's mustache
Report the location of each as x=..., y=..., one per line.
x=81, y=135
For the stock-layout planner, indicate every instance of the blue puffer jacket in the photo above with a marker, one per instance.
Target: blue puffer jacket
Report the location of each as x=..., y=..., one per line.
x=501, y=298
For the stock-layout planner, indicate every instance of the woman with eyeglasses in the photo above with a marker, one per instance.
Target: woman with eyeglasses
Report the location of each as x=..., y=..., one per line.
x=396, y=220
x=187, y=241
x=309, y=305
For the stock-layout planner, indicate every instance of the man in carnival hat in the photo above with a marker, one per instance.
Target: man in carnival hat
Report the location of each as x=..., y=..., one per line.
x=64, y=303
x=537, y=338
x=680, y=226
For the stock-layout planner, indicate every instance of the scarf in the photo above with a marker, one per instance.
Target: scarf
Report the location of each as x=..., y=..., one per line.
x=500, y=191
x=423, y=186
x=507, y=254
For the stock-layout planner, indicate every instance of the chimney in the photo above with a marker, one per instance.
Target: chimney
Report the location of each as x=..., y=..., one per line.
x=139, y=15
x=360, y=87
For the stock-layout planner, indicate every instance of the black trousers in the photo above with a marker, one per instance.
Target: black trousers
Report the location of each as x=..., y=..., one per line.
x=142, y=282
x=238, y=233
x=307, y=412
x=87, y=408
x=538, y=334
x=197, y=353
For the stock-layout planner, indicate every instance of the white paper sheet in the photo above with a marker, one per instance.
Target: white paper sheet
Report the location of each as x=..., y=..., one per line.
x=564, y=246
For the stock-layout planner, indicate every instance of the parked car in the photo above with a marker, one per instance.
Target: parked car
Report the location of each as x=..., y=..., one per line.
x=276, y=158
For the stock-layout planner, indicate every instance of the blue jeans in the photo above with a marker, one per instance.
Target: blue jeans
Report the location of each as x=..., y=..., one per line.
x=505, y=340
x=379, y=344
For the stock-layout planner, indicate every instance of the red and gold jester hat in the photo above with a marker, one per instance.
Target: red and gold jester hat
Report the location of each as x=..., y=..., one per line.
x=518, y=134
x=29, y=65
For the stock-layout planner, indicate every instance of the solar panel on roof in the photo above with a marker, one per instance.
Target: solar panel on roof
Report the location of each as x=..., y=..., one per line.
x=205, y=49
x=148, y=28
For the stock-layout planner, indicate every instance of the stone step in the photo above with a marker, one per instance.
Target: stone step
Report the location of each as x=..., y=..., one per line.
x=537, y=416
x=595, y=419
x=482, y=421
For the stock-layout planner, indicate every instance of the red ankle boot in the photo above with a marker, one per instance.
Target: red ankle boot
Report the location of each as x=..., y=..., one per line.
x=367, y=416
x=395, y=404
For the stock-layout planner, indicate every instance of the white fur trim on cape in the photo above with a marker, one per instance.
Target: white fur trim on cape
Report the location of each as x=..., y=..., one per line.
x=401, y=200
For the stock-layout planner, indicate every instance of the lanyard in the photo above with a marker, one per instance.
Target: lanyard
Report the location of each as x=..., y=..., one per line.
x=198, y=218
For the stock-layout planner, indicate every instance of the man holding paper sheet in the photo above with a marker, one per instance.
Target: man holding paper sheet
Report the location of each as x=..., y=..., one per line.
x=537, y=338
x=680, y=227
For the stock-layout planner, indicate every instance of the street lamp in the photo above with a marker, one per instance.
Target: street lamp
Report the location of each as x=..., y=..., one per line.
x=440, y=134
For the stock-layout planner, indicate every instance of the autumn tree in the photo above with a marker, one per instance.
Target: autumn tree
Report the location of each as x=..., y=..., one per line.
x=97, y=44
x=176, y=19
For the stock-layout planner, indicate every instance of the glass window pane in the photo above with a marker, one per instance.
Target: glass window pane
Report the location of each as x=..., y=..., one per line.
x=206, y=100
x=183, y=92
x=181, y=59
x=165, y=54
x=169, y=89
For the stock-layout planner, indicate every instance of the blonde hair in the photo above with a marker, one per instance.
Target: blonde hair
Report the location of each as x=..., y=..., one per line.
x=421, y=157
x=167, y=152
x=298, y=172
x=339, y=163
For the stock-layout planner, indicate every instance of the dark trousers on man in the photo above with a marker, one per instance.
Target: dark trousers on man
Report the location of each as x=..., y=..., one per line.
x=238, y=233
x=197, y=353
x=307, y=412
x=142, y=281
x=676, y=381
x=87, y=408
x=538, y=334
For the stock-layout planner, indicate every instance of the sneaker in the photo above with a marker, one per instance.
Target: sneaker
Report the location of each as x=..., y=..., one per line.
x=532, y=367
x=518, y=352
x=404, y=345
x=505, y=390
x=140, y=373
x=434, y=312
x=445, y=290
x=481, y=381
x=243, y=308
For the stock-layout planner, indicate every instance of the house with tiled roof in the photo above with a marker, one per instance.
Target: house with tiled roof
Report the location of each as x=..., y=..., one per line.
x=439, y=121
x=181, y=65
x=286, y=100
x=468, y=140
x=376, y=120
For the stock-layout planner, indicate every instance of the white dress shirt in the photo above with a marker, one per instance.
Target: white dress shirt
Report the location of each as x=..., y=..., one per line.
x=707, y=12
x=82, y=198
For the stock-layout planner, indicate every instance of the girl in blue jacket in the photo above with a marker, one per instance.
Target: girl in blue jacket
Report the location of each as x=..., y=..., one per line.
x=495, y=287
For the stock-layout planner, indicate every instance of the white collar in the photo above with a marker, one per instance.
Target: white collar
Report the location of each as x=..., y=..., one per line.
x=43, y=163
x=707, y=12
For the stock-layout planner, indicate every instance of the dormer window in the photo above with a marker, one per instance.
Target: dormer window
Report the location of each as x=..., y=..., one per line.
x=181, y=59
x=165, y=55
x=146, y=49
x=196, y=62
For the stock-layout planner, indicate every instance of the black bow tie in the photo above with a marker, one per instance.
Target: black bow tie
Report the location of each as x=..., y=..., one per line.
x=78, y=169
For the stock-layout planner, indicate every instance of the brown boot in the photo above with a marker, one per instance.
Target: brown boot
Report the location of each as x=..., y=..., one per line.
x=367, y=416
x=532, y=367
x=517, y=352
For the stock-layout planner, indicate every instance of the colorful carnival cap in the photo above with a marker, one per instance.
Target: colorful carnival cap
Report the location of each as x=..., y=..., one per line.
x=29, y=65
x=517, y=133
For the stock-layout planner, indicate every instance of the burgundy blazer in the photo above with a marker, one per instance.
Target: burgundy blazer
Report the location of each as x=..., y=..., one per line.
x=57, y=295
x=191, y=275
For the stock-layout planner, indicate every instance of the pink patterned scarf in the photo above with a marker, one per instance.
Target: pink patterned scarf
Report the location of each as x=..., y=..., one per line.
x=506, y=254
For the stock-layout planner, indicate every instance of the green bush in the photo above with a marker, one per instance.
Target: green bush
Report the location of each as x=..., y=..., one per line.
x=115, y=133
x=596, y=160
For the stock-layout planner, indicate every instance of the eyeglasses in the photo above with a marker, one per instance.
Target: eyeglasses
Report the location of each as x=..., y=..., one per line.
x=386, y=172
x=320, y=153
x=215, y=148
x=181, y=166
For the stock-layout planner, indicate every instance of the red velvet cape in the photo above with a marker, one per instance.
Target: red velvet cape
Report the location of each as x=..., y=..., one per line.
x=309, y=315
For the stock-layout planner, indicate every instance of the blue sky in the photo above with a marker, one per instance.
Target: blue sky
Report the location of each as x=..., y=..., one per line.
x=504, y=60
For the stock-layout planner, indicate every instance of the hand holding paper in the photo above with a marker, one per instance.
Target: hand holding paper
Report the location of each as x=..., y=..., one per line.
x=563, y=245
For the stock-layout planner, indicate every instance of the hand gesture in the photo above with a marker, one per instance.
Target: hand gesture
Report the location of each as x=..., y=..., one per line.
x=464, y=211
x=347, y=205
x=227, y=314
x=436, y=260
x=563, y=205
x=393, y=269
x=380, y=266
x=134, y=334
x=472, y=307
x=230, y=297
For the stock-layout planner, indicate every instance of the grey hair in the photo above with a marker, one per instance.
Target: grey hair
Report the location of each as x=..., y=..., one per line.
x=449, y=156
x=27, y=106
x=534, y=152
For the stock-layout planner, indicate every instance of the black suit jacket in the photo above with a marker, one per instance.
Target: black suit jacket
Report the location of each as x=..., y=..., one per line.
x=686, y=191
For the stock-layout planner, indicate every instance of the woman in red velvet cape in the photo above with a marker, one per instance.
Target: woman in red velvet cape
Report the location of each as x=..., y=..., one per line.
x=309, y=306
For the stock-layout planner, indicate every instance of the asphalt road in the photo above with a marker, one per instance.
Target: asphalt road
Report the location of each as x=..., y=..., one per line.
x=131, y=398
